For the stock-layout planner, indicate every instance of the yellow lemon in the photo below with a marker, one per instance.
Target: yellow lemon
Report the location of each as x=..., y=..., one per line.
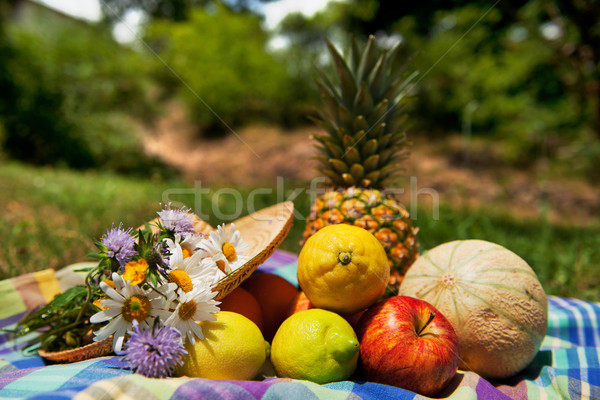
x=233, y=348
x=343, y=268
x=315, y=345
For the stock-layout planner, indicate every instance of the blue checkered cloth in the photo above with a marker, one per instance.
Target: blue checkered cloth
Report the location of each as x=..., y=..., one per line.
x=567, y=365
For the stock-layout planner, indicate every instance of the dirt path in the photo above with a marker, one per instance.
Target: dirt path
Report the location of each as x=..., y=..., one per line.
x=257, y=155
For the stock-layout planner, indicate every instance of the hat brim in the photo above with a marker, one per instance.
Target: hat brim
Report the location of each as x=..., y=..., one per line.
x=263, y=230
x=96, y=349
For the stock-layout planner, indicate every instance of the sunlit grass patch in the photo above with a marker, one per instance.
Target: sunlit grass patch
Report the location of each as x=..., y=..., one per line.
x=50, y=218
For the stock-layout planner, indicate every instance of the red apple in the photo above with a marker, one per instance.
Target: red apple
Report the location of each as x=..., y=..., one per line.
x=406, y=342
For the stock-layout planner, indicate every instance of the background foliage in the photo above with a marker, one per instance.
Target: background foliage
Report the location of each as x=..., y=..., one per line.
x=218, y=63
x=523, y=74
x=73, y=99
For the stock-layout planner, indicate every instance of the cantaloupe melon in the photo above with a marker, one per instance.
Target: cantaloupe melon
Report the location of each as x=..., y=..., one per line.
x=491, y=296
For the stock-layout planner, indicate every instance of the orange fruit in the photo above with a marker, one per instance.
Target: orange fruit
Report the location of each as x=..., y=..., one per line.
x=243, y=302
x=274, y=294
x=300, y=303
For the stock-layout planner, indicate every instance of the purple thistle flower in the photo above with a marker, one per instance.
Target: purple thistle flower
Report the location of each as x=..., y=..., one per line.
x=155, y=352
x=176, y=220
x=119, y=244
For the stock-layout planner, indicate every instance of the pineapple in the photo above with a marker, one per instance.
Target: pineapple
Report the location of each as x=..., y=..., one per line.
x=361, y=151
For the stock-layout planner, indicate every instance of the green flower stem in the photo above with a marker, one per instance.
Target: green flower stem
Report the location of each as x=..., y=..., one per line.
x=87, y=299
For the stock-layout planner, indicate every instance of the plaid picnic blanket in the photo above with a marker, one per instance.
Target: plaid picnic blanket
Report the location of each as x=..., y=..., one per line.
x=567, y=366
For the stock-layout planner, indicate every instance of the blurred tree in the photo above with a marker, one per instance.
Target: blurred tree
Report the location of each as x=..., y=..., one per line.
x=526, y=71
x=574, y=27
x=68, y=91
x=33, y=125
x=222, y=69
x=174, y=10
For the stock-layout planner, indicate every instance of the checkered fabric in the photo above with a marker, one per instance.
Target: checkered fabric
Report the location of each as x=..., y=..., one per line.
x=567, y=366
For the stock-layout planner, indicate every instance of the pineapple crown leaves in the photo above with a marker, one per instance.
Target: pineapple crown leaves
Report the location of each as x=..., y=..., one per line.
x=364, y=115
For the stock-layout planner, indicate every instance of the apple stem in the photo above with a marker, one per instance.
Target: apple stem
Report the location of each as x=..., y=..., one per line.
x=431, y=317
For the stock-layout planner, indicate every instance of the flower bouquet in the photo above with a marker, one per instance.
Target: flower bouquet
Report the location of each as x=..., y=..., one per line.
x=152, y=285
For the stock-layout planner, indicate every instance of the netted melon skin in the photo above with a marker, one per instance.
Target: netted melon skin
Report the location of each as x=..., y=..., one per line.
x=493, y=299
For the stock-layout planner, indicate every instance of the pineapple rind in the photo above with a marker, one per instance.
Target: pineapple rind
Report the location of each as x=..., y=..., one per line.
x=375, y=211
x=361, y=151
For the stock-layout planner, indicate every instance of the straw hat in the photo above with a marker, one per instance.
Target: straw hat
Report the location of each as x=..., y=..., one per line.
x=263, y=230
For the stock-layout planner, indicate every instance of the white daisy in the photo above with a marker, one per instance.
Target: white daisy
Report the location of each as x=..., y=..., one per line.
x=197, y=305
x=187, y=272
x=189, y=243
x=128, y=302
x=228, y=250
x=215, y=274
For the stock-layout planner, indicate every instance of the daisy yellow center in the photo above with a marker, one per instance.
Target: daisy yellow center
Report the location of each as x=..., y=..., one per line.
x=181, y=279
x=135, y=271
x=229, y=251
x=136, y=307
x=221, y=265
x=186, y=252
x=187, y=310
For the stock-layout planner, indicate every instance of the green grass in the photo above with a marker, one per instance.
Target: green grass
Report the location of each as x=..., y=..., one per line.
x=52, y=216
x=565, y=258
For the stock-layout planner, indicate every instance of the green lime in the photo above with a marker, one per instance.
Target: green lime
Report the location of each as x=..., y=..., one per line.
x=315, y=345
